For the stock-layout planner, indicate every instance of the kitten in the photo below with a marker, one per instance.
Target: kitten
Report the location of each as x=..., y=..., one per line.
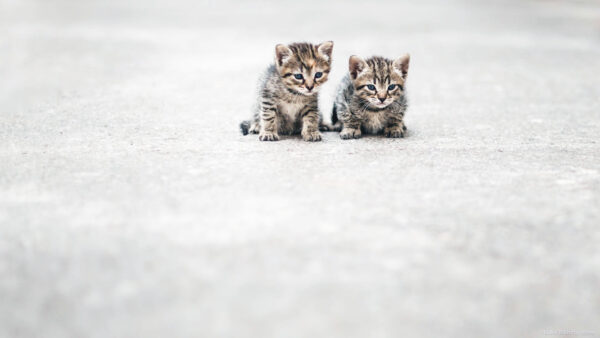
x=288, y=100
x=371, y=98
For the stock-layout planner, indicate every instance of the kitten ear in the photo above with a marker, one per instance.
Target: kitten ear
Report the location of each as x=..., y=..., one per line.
x=282, y=53
x=356, y=65
x=401, y=64
x=325, y=49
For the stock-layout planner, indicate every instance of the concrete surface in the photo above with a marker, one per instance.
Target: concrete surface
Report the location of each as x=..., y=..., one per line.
x=130, y=205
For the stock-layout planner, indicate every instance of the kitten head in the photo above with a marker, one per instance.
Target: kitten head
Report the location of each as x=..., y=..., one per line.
x=303, y=67
x=377, y=80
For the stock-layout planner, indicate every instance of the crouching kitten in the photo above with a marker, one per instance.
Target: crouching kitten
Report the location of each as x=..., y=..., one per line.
x=371, y=98
x=288, y=99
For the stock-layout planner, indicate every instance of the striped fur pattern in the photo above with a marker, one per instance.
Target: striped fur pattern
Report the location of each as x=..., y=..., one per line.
x=371, y=98
x=288, y=100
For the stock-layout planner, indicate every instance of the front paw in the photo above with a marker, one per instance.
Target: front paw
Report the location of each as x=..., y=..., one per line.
x=311, y=136
x=394, y=132
x=254, y=128
x=268, y=136
x=350, y=133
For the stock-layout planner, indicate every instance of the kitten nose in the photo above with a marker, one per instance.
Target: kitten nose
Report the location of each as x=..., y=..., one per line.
x=381, y=99
x=310, y=87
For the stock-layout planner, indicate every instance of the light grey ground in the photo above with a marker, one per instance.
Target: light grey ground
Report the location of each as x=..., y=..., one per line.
x=130, y=205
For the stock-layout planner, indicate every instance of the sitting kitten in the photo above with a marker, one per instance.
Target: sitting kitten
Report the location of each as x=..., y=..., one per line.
x=288, y=100
x=371, y=99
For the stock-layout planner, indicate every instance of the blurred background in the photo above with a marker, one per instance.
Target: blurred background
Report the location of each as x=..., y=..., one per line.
x=130, y=204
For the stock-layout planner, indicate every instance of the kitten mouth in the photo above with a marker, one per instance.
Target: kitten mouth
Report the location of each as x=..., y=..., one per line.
x=309, y=93
x=380, y=105
x=300, y=91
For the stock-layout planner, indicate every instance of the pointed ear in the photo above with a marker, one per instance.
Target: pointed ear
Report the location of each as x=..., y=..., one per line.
x=356, y=65
x=282, y=53
x=401, y=64
x=325, y=49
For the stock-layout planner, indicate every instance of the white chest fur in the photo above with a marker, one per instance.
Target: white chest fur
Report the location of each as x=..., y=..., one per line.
x=374, y=122
x=291, y=109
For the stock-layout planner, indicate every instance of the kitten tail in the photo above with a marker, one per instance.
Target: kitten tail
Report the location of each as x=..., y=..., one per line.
x=244, y=127
x=334, y=117
x=335, y=124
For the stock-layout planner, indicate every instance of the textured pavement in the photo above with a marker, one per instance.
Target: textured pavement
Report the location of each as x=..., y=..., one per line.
x=131, y=206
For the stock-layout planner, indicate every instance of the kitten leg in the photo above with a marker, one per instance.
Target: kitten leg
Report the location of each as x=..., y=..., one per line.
x=346, y=121
x=350, y=130
x=310, y=123
x=254, y=127
x=395, y=128
x=350, y=126
x=268, y=122
x=251, y=126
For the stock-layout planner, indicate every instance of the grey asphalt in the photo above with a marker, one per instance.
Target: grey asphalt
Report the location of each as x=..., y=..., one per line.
x=131, y=206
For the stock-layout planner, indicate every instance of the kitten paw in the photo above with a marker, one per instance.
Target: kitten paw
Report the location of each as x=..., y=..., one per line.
x=268, y=136
x=254, y=128
x=311, y=136
x=350, y=133
x=395, y=132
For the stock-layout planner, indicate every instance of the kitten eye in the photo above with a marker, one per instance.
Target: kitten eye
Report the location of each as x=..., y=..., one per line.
x=391, y=87
x=371, y=87
x=298, y=76
x=318, y=75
